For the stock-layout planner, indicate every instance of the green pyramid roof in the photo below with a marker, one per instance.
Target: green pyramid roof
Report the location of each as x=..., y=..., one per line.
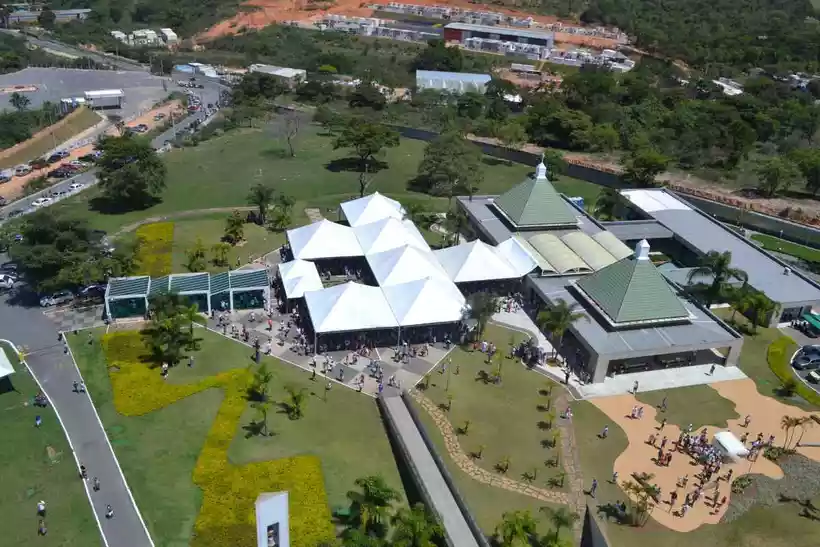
x=632, y=291
x=534, y=203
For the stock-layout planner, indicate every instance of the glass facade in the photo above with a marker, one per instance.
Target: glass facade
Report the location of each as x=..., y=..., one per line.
x=127, y=307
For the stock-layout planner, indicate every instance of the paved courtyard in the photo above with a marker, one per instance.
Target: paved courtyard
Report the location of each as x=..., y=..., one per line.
x=69, y=318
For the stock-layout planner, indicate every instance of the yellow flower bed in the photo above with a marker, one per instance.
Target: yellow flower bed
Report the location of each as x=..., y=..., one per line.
x=227, y=515
x=155, y=247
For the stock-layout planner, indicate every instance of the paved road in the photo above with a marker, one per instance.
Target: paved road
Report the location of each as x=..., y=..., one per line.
x=435, y=487
x=28, y=327
x=47, y=43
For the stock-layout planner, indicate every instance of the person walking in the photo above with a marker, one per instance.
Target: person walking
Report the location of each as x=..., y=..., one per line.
x=95, y=484
x=712, y=370
x=76, y=387
x=593, y=488
x=663, y=424
x=38, y=421
x=41, y=508
x=746, y=421
x=663, y=442
x=109, y=512
x=615, y=478
x=603, y=434
x=673, y=498
x=566, y=377
x=82, y=386
x=635, y=387
x=663, y=404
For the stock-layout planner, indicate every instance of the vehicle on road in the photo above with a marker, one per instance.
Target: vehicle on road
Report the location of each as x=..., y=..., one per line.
x=806, y=362
x=40, y=202
x=60, y=173
x=57, y=156
x=5, y=176
x=2, y=201
x=15, y=213
x=57, y=299
x=75, y=186
x=22, y=170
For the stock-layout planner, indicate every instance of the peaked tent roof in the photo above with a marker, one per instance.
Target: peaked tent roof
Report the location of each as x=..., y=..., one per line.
x=323, y=239
x=6, y=367
x=427, y=301
x=404, y=264
x=349, y=307
x=474, y=261
x=389, y=233
x=535, y=203
x=371, y=208
x=517, y=255
x=298, y=277
x=632, y=291
x=295, y=268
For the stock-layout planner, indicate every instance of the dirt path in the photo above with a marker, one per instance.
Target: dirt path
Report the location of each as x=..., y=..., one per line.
x=765, y=413
x=573, y=498
x=181, y=214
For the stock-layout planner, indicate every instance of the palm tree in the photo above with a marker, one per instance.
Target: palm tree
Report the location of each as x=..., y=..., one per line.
x=515, y=529
x=606, y=203
x=414, y=212
x=719, y=266
x=296, y=401
x=789, y=424
x=641, y=492
x=262, y=409
x=261, y=195
x=761, y=307
x=234, y=228
x=560, y=517
x=742, y=301
x=19, y=101
x=557, y=320
x=415, y=527
x=805, y=422
x=370, y=505
x=353, y=537
x=480, y=307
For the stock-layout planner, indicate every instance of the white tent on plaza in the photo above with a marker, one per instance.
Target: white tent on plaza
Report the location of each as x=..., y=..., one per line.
x=6, y=368
x=371, y=208
x=323, y=239
x=428, y=301
x=349, y=307
x=517, y=255
x=298, y=277
x=474, y=261
x=389, y=233
x=404, y=264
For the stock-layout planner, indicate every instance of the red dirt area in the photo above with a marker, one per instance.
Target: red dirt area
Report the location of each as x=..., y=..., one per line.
x=268, y=12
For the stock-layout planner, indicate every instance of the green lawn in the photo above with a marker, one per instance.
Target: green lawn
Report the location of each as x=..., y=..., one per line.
x=778, y=526
x=219, y=173
x=771, y=243
x=486, y=503
x=753, y=358
x=37, y=464
x=504, y=418
x=158, y=451
x=696, y=405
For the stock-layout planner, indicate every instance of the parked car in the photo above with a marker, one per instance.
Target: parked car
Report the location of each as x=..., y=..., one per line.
x=6, y=282
x=9, y=268
x=806, y=362
x=57, y=156
x=92, y=292
x=6, y=175
x=2, y=201
x=56, y=299
x=22, y=170
x=60, y=173
x=813, y=377
x=15, y=213
x=159, y=117
x=76, y=186
x=40, y=202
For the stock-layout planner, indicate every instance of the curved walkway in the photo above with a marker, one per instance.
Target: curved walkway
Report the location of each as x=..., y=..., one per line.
x=466, y=464
x=639, y=455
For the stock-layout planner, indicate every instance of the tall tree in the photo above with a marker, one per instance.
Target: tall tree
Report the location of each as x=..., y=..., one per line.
x=557, y=319
x=762, y=308
x=516, y=529
x=280, y=212
x=642, y=166
x=132, y=175
x=606, y=204
x=437, y=56
x=169, y=333
x=480, y=308
x=512, y=135
x=561, y=518
x=808, y=161
x=775, y=175
x=196, y=258
x=234, y=228
x=451, y=163
x=19, y=101
x=47, y=19
x=367, y=140
x=371, y=505
x=416, y=527
x=261, y=196
x=719, y=266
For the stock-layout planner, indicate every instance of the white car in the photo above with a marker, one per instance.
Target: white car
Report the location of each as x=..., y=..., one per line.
x=6, y=282
x=75, y=186
x=40, y=202
x=22, y=170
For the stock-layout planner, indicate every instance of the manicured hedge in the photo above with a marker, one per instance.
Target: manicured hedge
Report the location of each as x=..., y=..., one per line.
x=155, y=248
x=779, y=357
x=229, y=492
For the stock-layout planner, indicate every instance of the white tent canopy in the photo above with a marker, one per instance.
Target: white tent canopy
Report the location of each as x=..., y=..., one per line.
x=298, y=277
x=404, y=264
x=349, y=307
x=517, y=255
x=427, y=301
x=371, y=208
x=6, y=367
x=323, y=239
x=389, y=233
x=474, y=261
x=729, y=445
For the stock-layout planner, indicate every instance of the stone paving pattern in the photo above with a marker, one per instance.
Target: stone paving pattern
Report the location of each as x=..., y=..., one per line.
x=569, y=457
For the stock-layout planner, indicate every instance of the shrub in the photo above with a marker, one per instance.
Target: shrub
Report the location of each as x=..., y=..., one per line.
x=155, y=247
x=779, y=357
x=740, y=484
x=226, y=516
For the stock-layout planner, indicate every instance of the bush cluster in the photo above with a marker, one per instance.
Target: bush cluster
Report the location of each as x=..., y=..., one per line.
x=227, y=515
x=779, y=357
x=155, y=247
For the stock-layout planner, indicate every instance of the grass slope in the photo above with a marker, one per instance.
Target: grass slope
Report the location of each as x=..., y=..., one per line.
x=696, y=405
x=36, y=464
x=771, y=243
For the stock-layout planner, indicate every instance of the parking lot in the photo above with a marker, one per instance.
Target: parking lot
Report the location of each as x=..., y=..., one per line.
x=141, y=88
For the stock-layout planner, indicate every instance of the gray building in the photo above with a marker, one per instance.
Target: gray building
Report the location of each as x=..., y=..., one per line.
x=686, y=233
x=636, y=318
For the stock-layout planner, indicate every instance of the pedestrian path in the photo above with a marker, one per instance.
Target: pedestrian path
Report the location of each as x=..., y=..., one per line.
x=56, y=372
x=433, y=486
x=314, y=215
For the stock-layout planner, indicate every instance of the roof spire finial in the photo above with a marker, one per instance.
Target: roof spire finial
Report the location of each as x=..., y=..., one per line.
x=541, y=169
